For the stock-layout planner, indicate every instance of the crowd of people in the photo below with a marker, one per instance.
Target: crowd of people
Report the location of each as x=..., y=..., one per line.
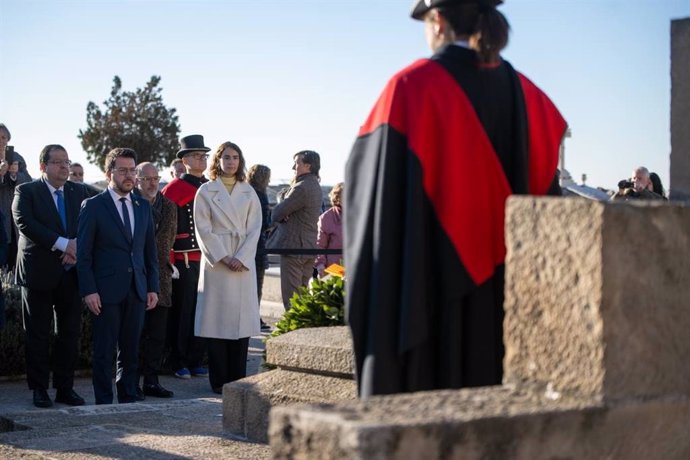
x=177, y=269
x=449, y=140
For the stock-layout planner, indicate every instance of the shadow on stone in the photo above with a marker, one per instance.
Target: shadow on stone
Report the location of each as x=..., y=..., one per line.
x=7, y=425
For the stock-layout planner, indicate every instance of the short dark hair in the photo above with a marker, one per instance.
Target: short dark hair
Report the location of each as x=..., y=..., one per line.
x=3, y=126
x=215, y=170
x=118, y=152
x=76, y=165
x=487, y=23
x=311, y=158
x=44, y=156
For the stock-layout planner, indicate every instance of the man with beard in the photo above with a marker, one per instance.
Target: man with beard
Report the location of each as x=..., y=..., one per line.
x=118, y=275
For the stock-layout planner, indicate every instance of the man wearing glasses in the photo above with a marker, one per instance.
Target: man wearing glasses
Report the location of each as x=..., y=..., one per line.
x=118, y=275
x=164, y=214
x=45, y=212
x=187, y=350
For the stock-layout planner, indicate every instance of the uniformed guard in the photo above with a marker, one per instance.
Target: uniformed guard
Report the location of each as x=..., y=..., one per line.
x=186, y=350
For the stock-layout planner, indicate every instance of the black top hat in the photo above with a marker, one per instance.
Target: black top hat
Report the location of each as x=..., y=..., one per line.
x=192, y=143
x=422, y=6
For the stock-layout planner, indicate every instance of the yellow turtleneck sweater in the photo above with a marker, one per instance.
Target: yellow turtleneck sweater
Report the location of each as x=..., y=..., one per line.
x=229, y=183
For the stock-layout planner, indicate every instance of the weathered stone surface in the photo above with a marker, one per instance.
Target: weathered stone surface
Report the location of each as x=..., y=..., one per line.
x=488, y=423
x=680, y=109
x=247, y=402
x=323, y=350
x=597, y=297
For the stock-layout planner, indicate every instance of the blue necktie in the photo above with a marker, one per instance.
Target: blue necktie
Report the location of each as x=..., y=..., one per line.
x=125, y=218
x=61, y=208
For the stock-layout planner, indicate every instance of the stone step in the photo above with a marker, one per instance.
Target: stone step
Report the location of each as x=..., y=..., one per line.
x=320, y=350
x=247, y=402
x=314, y=365
x=486, y=423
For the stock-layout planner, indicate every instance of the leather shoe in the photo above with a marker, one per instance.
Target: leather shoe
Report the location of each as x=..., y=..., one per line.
x=69, y=397
x=157, y=391
x=41, y=398
x=141, y=396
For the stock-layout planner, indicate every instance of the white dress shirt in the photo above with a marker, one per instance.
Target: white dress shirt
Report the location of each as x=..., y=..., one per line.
x=118, y=205
x=61, y=242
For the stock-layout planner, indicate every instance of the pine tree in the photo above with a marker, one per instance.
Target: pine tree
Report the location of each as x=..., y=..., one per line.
x=138, y=120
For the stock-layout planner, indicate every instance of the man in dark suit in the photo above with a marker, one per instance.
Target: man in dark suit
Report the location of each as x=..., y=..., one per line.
x=46, y=212
x=118, y=274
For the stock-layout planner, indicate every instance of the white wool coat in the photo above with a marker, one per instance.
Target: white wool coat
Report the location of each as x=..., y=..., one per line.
x=227, y=224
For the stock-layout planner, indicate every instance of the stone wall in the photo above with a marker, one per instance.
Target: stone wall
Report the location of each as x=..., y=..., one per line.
x=599, y=306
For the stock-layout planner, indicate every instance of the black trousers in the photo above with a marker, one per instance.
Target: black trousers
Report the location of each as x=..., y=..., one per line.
x=153, y=343
x=260, y=273
x=118, y=326
x=39, y=308
x=186, y=350
x=227, y=360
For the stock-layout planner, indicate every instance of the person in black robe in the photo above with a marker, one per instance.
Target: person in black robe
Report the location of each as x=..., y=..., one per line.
x=450, y=138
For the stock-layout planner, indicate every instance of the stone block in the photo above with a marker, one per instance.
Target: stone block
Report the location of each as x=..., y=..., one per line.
x=321, y=350
x=487, y=423
x=247, y=402
x=597, y=297
x=680, y=110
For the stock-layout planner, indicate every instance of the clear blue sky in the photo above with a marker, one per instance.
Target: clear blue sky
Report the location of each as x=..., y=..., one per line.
x=277, y=76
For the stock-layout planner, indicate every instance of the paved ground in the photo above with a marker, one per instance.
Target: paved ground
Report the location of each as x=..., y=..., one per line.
x=186, y=426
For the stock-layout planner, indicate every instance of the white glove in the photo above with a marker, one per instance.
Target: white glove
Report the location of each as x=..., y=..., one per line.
x=175, y=272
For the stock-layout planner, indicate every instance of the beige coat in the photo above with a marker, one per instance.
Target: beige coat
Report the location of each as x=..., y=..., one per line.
x=227, y=303
x=297, y=216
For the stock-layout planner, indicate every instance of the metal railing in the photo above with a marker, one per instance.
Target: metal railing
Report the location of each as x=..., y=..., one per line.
x=299, y=252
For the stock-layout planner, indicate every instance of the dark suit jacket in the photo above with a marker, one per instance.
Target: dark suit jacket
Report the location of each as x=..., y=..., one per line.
x=107, y=261
x=39, y=227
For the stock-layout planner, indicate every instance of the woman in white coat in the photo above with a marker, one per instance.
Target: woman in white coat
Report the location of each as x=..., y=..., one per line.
x=227, y=216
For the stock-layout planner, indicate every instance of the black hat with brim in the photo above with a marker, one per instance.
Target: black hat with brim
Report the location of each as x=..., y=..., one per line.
x=422, y=6
x=192, y=143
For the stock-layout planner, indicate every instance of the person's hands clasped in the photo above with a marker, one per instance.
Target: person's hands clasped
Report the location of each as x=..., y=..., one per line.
x=68, y=259
x=234, y=264
x=71, y=249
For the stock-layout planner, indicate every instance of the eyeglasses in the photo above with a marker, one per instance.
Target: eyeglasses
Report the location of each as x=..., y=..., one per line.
x=125, y=171
x=198, y=156
x=149, y=179
x=60, y=162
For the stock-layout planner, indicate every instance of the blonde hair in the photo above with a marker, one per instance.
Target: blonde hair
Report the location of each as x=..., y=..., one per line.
x=336, y=193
